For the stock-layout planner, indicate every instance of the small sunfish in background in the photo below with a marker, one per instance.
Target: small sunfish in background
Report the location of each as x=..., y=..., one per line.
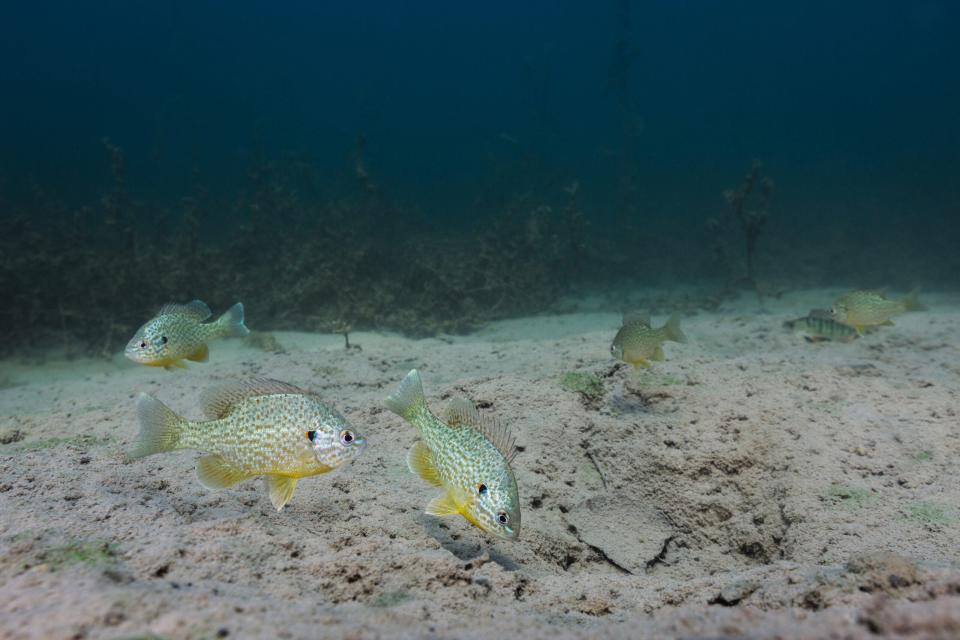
x=467, y=456
x=861, y=309
x=258, y=427
x=820, y=326
x=180, y=332
x=637, y=342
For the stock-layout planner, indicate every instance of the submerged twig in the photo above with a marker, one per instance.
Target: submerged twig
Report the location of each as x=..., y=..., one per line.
x=593, y=461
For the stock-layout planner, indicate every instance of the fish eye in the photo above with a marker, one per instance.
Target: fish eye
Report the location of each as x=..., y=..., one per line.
x=482, y=489
x=346, y=436
x=312, y=436
x=163, y=339
x=143, y=344
x=503, y=518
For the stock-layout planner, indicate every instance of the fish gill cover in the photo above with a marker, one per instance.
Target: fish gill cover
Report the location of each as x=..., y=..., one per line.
x=429, y=167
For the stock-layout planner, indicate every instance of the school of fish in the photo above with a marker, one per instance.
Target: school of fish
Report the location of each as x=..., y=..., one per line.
x=269, y=428
x=863, y=309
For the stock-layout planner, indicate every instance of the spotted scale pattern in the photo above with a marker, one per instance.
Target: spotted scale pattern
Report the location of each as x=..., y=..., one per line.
x=473, y=473
x=639, y=342
x=867, y=308
x=463, y=456
x=181, y=332
x=268, y=435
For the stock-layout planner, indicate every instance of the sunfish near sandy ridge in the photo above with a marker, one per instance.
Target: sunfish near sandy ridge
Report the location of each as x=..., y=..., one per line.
x=256, y=427
x=466, y=455
x=180, y=332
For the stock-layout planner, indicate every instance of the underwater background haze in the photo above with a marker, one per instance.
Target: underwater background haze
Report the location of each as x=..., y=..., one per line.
x=340, y=161
x=540, y=320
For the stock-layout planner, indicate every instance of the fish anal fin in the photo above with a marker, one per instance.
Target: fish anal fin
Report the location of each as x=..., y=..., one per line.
x=444, y=504
x=280, y=489
x=202, y=354
x=219, y=401
x=461, y=412
x=420, y=461
x=175, y=364
x=214, y=472
x=640, y=363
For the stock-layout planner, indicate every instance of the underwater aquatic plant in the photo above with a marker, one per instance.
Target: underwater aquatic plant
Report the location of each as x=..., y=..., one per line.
x=343, y=328
x=748, y=207
x=85, y=279
x=588, y=385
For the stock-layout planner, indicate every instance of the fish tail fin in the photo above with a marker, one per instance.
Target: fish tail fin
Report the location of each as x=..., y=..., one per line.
x=160, y=428
x=231, y=322
x=408, y=400
x=673, y=330
x=912, y=301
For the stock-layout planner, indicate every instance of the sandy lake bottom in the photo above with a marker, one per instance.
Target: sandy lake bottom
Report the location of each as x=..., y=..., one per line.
x=752, y=485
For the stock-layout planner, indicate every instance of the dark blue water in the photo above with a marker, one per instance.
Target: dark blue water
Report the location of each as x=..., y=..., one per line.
x=653, y=108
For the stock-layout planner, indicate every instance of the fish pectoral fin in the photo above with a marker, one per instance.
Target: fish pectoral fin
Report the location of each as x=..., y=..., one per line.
x=280, y=489
x=658, y=354
x=420, y=461
x=202, y=354
x=444, y=504
x=214, y=472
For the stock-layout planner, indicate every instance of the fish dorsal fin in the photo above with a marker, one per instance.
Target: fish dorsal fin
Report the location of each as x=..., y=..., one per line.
x=823, y=314
x=196, y=309
x=636, y=317
x=461, y=412
x=220, y=401
x=420, y=461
